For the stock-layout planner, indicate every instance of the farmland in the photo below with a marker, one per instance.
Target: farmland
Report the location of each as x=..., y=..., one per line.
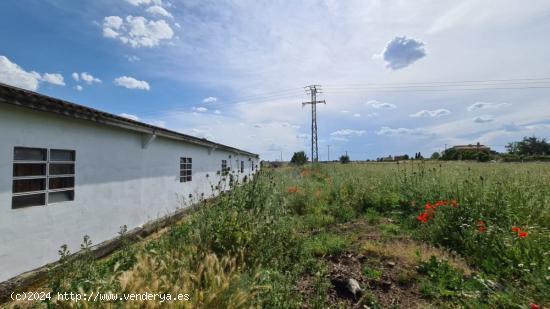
x=411, y=234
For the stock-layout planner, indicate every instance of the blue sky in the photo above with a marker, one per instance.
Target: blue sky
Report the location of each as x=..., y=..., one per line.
x=234, y=71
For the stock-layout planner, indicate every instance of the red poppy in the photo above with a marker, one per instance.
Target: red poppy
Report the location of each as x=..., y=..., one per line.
x=516, y=229
x=534, y=306
x=440, y=203
x=481, y=227
x=423, y=217
x=522, y=234
x=453, y=203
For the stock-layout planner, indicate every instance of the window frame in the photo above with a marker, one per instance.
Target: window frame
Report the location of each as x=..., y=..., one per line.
x=186, y=167
x=46, y=177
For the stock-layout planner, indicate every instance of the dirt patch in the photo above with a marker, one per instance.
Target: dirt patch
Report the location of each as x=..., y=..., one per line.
x=393, y=287
x=385, y=268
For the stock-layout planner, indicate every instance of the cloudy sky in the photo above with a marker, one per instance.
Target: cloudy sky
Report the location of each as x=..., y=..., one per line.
x=398, y=76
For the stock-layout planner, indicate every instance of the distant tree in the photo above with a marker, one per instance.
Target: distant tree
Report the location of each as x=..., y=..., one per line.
x=435, y=156
x=344, y=159
x=406, y=157
x=299, y=158
x=529, y=146
x=467, y=154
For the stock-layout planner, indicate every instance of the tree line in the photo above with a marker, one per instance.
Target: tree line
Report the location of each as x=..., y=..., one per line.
x=529, y=148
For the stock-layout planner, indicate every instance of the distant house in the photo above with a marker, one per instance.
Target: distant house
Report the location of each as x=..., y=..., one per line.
x=476, y=147
x=388, y=158
x=67, y=171
x=400, y=157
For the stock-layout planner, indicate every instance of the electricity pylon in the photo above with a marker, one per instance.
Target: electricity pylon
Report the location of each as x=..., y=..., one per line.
x=313, y=90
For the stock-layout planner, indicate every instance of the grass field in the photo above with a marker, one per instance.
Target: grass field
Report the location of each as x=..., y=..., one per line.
x=412, y=235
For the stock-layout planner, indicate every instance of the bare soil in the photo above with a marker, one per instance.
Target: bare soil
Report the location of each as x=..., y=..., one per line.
x=396, y=259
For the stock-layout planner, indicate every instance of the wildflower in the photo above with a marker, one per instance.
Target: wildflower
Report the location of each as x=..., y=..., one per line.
x=423, y=217
x=293, y=189
x=533, y=306
x=453, y=203
x=440, y=203
x=520, y=232
x=481, y=226
x=520, y=265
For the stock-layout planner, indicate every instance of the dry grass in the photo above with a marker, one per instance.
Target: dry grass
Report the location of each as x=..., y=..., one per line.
x=412, y=253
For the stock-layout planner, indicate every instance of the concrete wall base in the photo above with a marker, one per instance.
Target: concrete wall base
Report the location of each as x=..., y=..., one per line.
x=25, y=280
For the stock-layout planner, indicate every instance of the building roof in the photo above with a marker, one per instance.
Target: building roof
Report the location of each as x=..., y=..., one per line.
x=470, y=146
x=11, y=95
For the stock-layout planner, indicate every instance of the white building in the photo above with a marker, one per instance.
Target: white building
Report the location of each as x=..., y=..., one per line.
x=67, y=171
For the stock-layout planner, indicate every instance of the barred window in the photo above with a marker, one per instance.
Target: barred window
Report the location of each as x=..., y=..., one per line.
x=225, y=169
x=186, y=169
x=42, y=176
x=242, y=166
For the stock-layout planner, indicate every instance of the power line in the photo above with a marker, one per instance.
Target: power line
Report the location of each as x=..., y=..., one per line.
x=434, y=89
x=430, y=86
x=447, y=82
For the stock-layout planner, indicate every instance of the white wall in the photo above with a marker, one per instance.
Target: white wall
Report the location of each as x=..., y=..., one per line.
x=117, y=183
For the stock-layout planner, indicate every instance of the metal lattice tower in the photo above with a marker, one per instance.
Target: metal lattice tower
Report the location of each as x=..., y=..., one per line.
x=314, y=90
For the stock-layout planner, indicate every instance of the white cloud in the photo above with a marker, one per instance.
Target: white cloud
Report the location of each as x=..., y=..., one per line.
x=486, y=105
x=132, y=58
x=356, y=115
x=377, y=104
x=137, y=31
x=209, y=100
x=88, y=78
x=200, y=109
x=130, y=116
x=54, y=79
x=387, y=131
x=402, y=52
x=348, y=132
x=158, y=10
x=13, y=74
x=131, y=83
x=85, y=77
x=158, y=123
x=217, y=112
x=431, y=113
x=483, y=119
x=78, y=88
x=144, y=2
